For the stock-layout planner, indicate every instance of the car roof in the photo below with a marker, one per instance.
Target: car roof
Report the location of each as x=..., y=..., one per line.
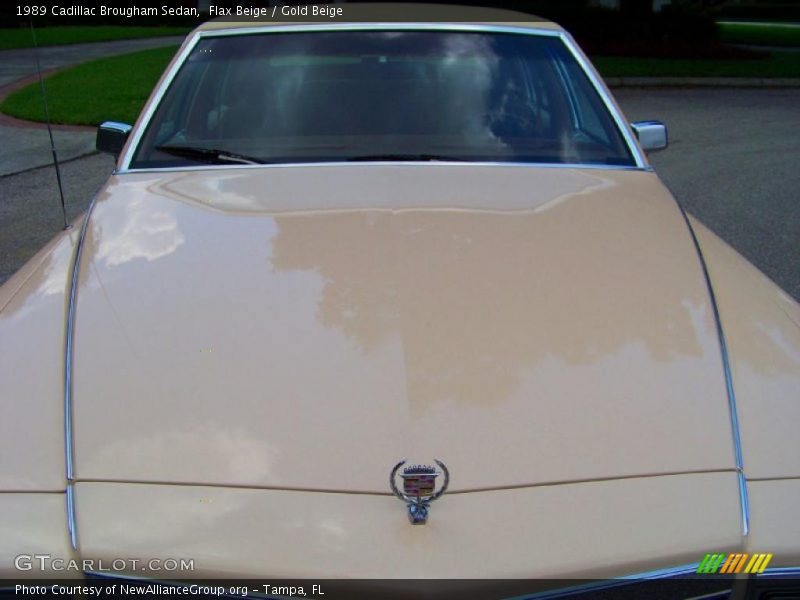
x=395, y=13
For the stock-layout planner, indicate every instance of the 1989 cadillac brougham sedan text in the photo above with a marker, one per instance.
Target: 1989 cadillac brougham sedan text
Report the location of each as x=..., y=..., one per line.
x=329, y=248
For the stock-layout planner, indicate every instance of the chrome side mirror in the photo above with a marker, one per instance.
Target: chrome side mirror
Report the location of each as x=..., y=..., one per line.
x=652, y=135
x=111, y=137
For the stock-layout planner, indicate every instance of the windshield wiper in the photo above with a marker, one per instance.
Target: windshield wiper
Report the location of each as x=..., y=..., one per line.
x=404, y=157
x=210, y=155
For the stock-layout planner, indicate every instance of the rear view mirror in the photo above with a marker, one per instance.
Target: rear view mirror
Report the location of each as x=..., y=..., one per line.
x=111, y=137
x=652, y=135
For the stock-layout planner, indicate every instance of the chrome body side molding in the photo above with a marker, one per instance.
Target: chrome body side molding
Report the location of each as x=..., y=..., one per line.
x=568, y=592
x=592, y=587
x=791, y=572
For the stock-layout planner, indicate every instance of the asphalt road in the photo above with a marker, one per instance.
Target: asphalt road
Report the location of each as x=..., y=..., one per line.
x=731, y=162
x=30, y=209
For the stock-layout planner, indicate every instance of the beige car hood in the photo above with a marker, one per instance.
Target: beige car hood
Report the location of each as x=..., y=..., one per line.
x=308, y=327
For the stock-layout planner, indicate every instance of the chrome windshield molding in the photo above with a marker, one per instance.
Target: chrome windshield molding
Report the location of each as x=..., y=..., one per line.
x=566, y=39
x=605, y=96
x=744, y=498
x=71, y=526
x=381, y=25
x=144, y=118
x=386, y=163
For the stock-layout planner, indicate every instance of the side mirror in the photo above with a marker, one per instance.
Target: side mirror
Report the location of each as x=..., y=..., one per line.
x=111, y=137
x=652, y=135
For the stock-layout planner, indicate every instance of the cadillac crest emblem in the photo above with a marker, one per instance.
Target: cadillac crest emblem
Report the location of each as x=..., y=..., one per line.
x=419, y=488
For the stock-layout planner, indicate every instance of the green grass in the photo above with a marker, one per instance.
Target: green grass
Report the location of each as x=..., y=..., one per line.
x=761, y=34
x=116, y=88
x=778, y=64
x=101, y=90
x=55, y=36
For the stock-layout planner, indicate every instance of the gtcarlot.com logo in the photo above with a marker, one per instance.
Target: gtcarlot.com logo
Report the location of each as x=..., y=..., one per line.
x=46, y=562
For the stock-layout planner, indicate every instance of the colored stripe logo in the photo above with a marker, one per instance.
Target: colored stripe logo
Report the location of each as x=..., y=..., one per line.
x=729, y=564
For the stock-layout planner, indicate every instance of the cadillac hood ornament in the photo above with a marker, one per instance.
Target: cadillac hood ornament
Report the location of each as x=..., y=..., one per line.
x=419, y=488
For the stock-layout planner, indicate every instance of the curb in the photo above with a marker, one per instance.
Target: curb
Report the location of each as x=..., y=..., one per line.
x=49, y=165
x=704, y=82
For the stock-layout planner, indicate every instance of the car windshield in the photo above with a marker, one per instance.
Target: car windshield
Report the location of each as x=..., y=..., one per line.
x=381, y=95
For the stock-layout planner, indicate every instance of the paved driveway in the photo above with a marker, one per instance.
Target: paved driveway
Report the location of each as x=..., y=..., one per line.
x=732, y=163
x=29, y=147
x=19, y=63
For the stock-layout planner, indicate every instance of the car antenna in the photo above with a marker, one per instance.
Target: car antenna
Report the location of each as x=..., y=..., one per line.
x=49, y=128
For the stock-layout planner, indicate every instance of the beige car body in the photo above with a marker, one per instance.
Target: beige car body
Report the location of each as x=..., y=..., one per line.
x=254, y=348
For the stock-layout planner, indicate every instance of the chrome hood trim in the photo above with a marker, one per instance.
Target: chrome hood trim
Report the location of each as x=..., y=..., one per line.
x=68, y=358
x=726, y=368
